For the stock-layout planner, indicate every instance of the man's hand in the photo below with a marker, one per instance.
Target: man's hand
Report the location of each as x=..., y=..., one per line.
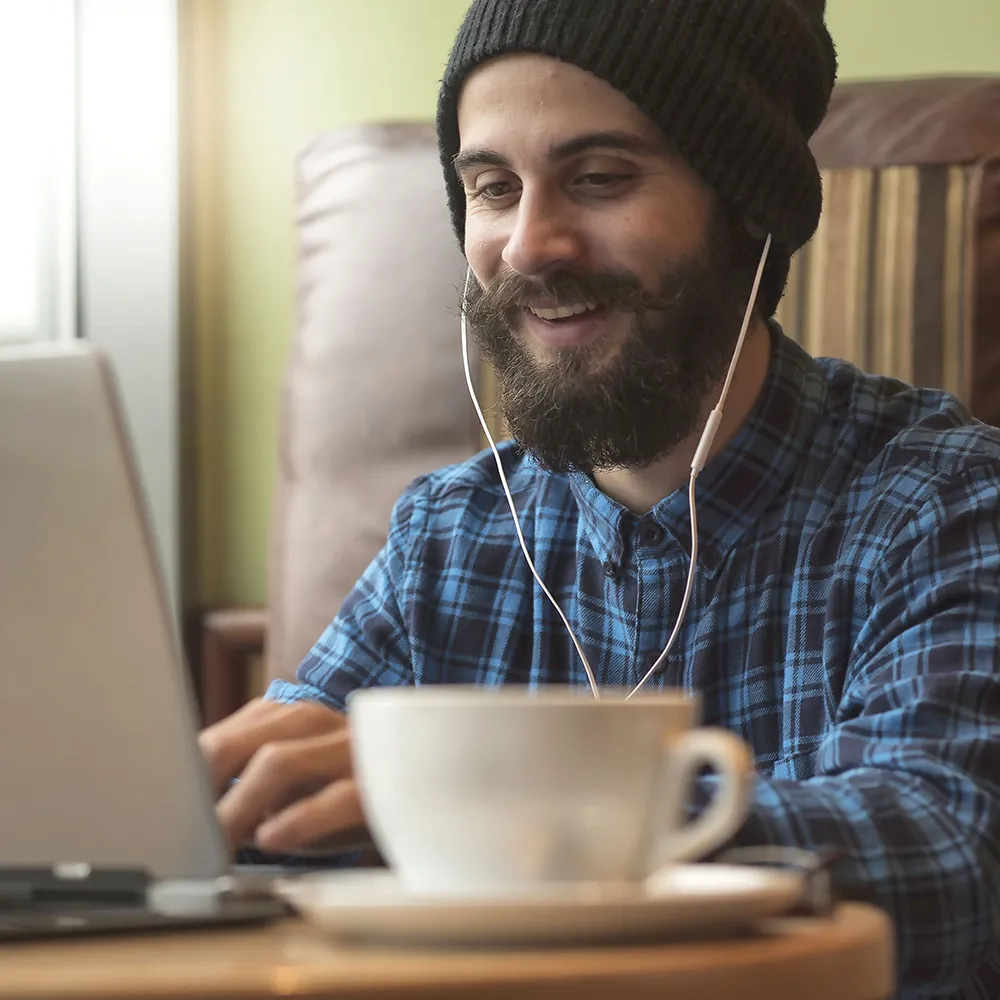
x=296, y=782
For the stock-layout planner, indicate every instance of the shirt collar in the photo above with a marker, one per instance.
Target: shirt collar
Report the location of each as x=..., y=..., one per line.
x=739, y=483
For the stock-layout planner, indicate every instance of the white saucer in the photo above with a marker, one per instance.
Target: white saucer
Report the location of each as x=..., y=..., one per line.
x=682, y=901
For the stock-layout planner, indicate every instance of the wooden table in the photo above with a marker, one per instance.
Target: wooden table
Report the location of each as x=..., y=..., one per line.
x=848, y=957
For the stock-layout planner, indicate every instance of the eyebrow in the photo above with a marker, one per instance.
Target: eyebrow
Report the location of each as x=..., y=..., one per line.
x=482, y=156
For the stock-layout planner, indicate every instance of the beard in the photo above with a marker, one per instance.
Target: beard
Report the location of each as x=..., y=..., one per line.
x=594, y=407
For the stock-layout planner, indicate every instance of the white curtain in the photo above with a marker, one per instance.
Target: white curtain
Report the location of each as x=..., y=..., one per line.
x=88, y=207
x=37, y=169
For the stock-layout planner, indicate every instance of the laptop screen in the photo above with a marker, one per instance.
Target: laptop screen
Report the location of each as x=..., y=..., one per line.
x=100, y=762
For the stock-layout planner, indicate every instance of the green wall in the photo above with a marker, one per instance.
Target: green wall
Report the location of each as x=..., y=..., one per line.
x=886, y=38
x=294, y=68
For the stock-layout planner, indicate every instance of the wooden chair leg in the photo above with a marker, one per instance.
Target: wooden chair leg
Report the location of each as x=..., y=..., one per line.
x=219, y=681
x=229, y=641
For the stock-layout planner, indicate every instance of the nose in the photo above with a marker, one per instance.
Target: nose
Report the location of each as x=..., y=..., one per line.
x=544, y=237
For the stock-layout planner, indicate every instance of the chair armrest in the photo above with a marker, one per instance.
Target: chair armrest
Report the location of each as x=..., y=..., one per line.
x=243, y=627
x=230, y=639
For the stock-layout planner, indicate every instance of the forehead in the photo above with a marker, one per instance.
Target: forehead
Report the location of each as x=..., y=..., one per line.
x=520, y=99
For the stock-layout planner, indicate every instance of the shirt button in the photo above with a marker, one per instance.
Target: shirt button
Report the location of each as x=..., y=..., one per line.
x=611, y=570
x=650, y=534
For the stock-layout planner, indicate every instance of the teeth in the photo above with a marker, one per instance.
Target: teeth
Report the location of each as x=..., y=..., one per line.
x=564, y=312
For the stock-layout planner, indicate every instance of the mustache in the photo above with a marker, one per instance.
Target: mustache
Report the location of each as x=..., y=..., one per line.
x=511, y=293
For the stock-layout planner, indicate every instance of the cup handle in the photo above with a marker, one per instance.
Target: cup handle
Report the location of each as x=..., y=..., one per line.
x=730, y=758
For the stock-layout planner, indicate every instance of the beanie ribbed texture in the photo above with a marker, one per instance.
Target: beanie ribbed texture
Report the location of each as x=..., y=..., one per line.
x=738, y=87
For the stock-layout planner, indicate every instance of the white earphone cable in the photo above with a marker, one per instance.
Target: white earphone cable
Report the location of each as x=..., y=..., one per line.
x=698, y=463
x=510, y=500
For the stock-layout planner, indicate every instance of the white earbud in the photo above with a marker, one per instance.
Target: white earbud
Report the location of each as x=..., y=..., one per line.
x=701, y=456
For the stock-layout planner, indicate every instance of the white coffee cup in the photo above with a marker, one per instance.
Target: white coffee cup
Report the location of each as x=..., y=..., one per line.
x=472, y=791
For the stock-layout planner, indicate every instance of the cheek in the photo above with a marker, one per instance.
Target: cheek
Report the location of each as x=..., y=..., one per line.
x=651, y=246
x=484, y=247
x=638, y=251
x=660, y=230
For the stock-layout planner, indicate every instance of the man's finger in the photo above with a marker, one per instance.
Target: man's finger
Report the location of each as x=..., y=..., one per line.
x=278, y=774
x=311, y=820
x=231, y=743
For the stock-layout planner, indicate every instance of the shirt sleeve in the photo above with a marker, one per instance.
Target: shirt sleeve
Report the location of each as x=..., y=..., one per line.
x=906, y=786
x=367, y=644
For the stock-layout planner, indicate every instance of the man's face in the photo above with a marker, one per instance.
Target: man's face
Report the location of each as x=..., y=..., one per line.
x=610, y=285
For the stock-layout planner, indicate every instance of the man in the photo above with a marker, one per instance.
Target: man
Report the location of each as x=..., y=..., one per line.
x=613, y=167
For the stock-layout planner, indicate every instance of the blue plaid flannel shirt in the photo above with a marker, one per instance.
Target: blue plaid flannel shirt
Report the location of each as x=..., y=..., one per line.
x=845, y=624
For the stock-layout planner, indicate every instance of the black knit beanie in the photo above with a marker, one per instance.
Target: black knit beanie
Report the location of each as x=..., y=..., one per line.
x=737, y=86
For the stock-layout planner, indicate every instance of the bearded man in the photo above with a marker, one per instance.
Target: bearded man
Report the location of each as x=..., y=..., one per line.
x=617, y=170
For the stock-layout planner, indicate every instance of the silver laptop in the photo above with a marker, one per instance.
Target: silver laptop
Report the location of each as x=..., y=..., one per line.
x=100, y=768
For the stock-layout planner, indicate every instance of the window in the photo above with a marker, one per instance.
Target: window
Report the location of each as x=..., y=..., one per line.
x=37, y=169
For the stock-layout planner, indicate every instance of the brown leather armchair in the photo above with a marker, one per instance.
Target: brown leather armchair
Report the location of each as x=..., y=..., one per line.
x=903, y=277
x=374, y=393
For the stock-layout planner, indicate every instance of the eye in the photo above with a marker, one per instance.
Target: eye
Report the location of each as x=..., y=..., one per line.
x=495, y=190
x=603, y=181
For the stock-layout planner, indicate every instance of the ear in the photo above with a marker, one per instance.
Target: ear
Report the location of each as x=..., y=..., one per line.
x=755, y=231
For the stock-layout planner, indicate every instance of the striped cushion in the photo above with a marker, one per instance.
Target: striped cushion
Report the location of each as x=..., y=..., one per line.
x=886, y=281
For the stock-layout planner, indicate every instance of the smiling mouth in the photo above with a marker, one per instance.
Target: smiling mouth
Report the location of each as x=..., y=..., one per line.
x=556, y=313
x=570, y=325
